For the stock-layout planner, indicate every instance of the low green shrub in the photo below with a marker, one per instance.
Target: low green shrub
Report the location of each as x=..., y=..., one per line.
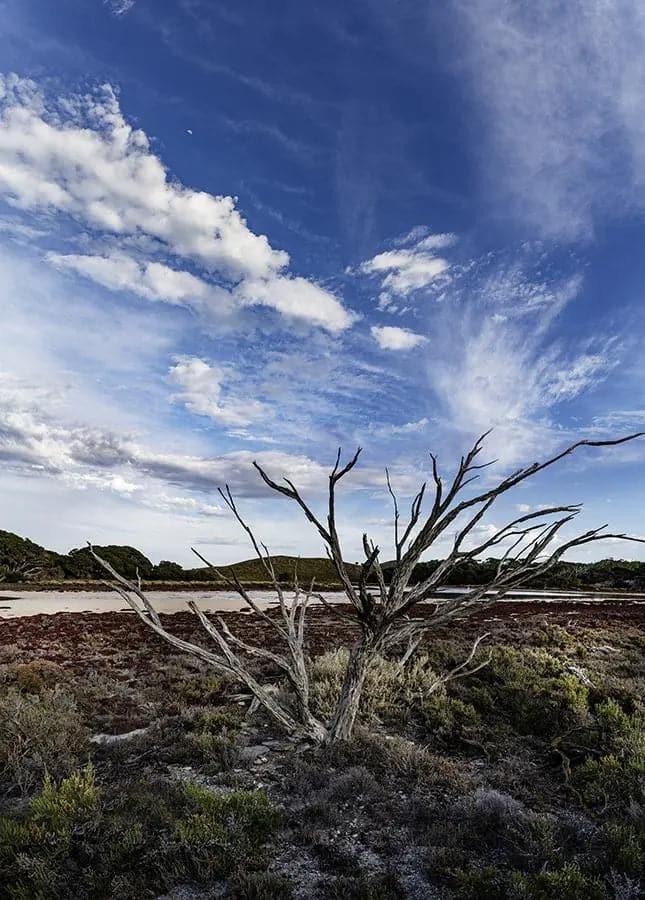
x=35, y=676
x=530, y=688
x=33, y=850
x=625, y=847
x=390, y=692
x=363, y=887
x=39, y=733
x=495, y=883
x=567, y=883
x=447, y=719
x=74, y=842
x=260, y=886
x=615, y=773
x=393, y=755
x=197, y=690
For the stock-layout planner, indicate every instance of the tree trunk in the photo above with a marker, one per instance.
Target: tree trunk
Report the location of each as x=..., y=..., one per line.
x=360, y=660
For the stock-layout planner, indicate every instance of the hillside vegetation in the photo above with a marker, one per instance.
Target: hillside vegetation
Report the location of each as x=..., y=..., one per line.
x=23, y=561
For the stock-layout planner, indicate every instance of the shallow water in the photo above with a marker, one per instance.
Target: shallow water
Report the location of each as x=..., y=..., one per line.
x=30, y=603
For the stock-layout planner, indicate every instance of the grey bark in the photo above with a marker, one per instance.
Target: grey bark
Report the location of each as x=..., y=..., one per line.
x=383, y=612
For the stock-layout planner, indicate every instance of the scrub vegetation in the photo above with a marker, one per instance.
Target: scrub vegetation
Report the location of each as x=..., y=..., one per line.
x=128, y=770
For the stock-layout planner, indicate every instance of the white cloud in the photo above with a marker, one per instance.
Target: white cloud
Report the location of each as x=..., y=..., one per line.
x=78, y=156
x=299, y=298
x=562, y=107
x=202, y=393
x=152, y=280
x=407, y=428
x=495, y=362
x=119, y=7
x=408, y=268
x=389, y=337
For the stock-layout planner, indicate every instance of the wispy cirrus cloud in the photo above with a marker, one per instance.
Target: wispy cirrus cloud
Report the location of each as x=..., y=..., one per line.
x=119, y=7
x=562, y=108
x=496, y=358
x=405, y=430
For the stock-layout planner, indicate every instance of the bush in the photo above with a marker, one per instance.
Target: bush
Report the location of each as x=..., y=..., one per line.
x=616, y=774
x=33, y=850
x=493, y=883
x=392, y=692
x=39, y=733
x=446, y=719
x=222, y=829
x=260, y=886
x=395, y=755
x=534, y=691
x=625, y=847
x=33, y=677
x=73, y=842
x=567, y=883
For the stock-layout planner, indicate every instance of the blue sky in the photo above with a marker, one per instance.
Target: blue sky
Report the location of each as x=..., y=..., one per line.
x=244, y=230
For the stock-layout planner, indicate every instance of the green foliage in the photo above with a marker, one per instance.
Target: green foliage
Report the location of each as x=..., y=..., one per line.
x=22, y=560
x=260, y=886
x=73, y=842
x=625, y=847
x=361, y=887
x=489, y=883
x=126, y=560
x=616, y=772
x=167, y=571
x=39, y=733
x=391, y=691
x=60, y=806
x=602, y=782
x=394, y=755
x=241, y=819
x=533, y=690
x=197, y=690
x=567, y=883
x=212, y=737
x=251, y=571
x=446, y=719
x=35, y=676
x=33, y=850
x=493, y=883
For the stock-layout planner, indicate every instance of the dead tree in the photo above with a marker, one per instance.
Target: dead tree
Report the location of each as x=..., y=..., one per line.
x=383, y=610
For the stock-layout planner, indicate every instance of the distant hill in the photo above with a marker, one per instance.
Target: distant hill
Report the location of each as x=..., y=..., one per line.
x=252, y=570
x=21, y=560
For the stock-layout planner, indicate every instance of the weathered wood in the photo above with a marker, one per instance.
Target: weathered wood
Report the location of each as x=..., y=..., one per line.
x=381, y=611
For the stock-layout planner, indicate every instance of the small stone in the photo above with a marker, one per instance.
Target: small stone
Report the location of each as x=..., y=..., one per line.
x=254, y=753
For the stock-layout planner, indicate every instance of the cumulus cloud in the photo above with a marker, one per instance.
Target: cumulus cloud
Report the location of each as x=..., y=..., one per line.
x=389, y=337
x=413, y=265
x=152, y=280
x=79, y=157
x=201, y=391
x=560, y=86
x=300, y=298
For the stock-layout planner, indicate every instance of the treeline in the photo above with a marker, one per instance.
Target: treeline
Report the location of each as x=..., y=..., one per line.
x=21, y=560
x=606, y=574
